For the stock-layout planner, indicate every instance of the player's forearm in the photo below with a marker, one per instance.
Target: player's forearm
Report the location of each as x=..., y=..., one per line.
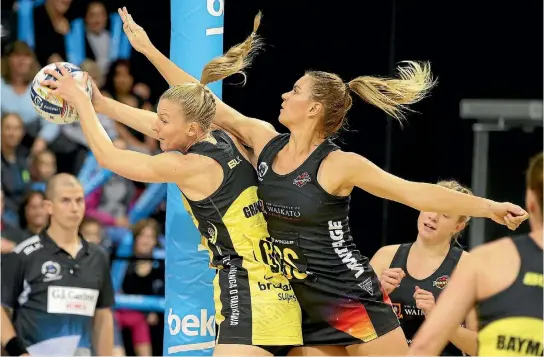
x=103, y=332
x=138, y=119
x=466, y=340
x=433, y=198
x=168, y=69
x=97, y=138
x=8, y=332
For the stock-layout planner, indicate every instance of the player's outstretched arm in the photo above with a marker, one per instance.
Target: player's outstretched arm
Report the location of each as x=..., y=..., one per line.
x=252, y=132
x=361, y=172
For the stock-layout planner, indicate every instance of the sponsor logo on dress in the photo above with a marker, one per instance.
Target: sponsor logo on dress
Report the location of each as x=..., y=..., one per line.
x=367, y=286
x=302, y=179
x=397, y=307
x=261, y=170
x=441, y=282
x=346, y=254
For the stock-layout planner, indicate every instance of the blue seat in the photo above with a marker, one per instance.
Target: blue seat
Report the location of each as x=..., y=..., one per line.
x=139, y=302
x=75, y=48
x=75, y=40
x=118, y=271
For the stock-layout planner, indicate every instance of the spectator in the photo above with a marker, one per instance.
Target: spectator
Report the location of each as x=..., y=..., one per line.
x=143, y=277
x=33, y=216
x=50, y=26
x=9, y=21
x=143, y=91
x=15, y=176
x=95, y=72
x=11, y=235
x=91, y=230
x=97, y=38
x=42, y=168
x=19, y=66
x=110, y=203
x=120, y=86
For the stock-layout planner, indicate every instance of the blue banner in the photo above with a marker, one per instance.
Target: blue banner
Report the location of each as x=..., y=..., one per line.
x=196, y=38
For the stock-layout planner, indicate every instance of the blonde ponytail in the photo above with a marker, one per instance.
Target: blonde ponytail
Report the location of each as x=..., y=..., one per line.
x=392, y=95
x=235, y=60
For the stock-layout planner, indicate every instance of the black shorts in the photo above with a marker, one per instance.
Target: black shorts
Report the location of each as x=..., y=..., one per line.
x=344, y=310
x=277, y=350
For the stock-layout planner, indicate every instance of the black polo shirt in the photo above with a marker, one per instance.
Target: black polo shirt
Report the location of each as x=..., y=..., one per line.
x=54, y=296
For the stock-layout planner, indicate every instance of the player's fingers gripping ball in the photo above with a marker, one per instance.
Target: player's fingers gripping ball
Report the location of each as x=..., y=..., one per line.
x=44, y=92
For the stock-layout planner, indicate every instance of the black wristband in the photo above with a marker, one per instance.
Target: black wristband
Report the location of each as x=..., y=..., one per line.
x=15, y=347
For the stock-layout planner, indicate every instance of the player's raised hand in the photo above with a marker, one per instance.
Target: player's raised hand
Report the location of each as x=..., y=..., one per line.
x=65, y=86
x=135, y=33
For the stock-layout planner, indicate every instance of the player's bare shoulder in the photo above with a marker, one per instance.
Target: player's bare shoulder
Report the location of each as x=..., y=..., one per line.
x=388, y=251
x=494, y=251
x=337, y=158
x=497, y=265
x=341, y=163
x=333, y=173
x=383, y=257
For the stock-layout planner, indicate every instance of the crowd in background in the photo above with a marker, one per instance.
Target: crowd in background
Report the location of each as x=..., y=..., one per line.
x=33, y=150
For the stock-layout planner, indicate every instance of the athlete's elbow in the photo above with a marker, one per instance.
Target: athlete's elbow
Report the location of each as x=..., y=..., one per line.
x=106, y=155
x=103, y=160
x=106, y=160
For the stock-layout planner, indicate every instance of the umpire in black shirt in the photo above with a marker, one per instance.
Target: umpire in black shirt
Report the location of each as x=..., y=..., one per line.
x=57, y=285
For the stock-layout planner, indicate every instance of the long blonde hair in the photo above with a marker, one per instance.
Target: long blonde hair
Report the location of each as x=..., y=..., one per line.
x=195, y=99
x=392, y=95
